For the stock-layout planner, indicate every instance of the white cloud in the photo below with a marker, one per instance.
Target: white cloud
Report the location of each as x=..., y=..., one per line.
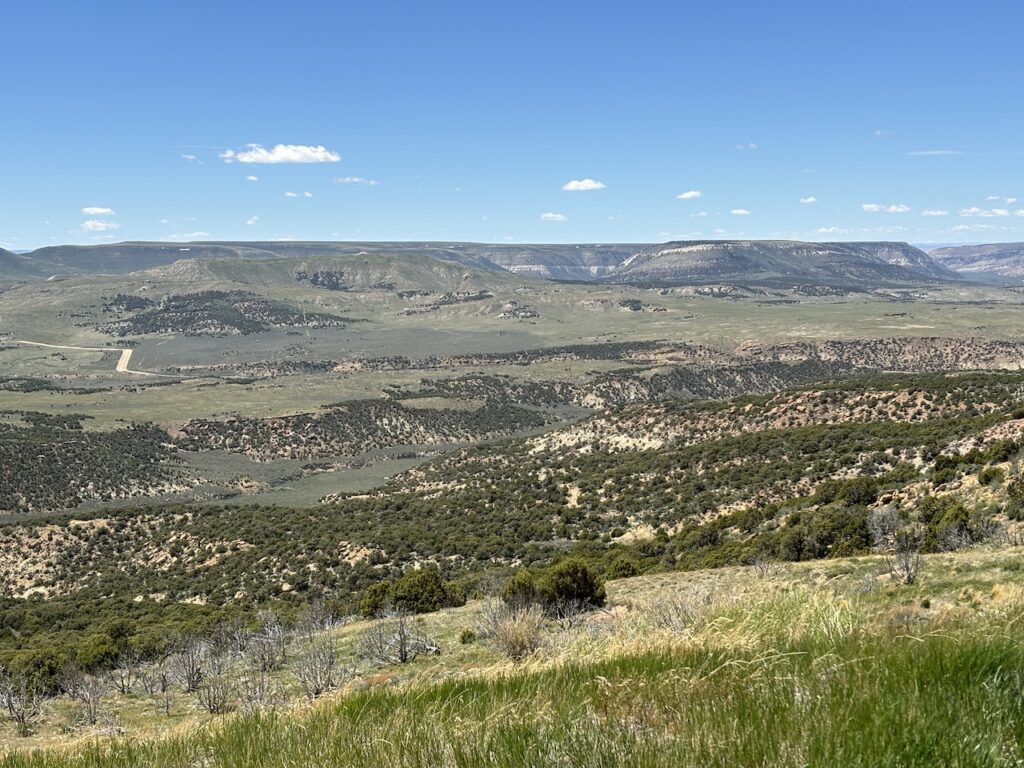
x=250, y=177
x=748, y=146
x=553, y=217
x=307, y=194
x=739, y=212
x=894, y=208
x=990, y=198
x=98, y=225
x=984, y=213
x=692, y=194
x=356, y=180
x=186, y=236
x=582, y=185
x=935, y=152
x=974, y=228
x=189, y=158
x=291, y=194
x=252, y=220
x=809, y=200
x=831, y=231
x=94, y=210
x=1011, y=200
x=699, y=215
x=281, y=153
x=934, y=212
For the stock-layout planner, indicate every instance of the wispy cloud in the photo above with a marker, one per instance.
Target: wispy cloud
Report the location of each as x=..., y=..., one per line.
x=974, y=228
x=296, y=194
x=99, y=225
x=281, y=153
x=934, y=152
x=692, y=194
x=988, y=213
x=739, y=212
x=582, y=185
x=95, y=210
x=698, y=215
x=934, y=212
x=811, y=200
x=250, y=177
x=189, y=158
x=832, y=231
x=551, y=216
x=186, y=236
x=893, y=208
x=747, y=147
x=252, y=220
x=357, y=180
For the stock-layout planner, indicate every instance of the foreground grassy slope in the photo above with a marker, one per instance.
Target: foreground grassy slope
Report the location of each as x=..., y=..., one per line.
x=826, y=663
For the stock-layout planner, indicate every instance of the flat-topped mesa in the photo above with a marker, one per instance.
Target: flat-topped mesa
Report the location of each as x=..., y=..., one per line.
x=776, y=263
x=1003, y=259
x=781, y=263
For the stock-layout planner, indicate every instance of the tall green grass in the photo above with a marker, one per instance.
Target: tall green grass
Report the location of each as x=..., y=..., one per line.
x=862, y=700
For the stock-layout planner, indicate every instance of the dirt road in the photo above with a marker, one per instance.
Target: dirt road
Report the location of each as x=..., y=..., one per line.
x=122, y=362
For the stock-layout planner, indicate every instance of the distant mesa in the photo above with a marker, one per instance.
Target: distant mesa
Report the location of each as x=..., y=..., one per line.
x=1002, y=259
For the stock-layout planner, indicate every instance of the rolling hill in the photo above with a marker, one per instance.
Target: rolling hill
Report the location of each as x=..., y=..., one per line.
x=1003, y=259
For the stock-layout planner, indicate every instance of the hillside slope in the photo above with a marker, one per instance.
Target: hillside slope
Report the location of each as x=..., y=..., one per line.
x=655, y=679
x=16, y=267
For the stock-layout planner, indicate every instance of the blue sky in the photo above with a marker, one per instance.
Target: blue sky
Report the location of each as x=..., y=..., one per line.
x=466, y=121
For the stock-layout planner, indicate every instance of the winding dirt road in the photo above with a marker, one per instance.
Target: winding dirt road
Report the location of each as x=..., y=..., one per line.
x=122, y=362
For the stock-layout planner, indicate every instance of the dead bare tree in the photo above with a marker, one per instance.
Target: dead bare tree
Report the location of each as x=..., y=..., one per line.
x=258, y=691
x=393, y=639
x=22, y=700
x=568, y=614
x=883, y=524
x=89, y=691
x=317, y=619
x=232, y=636
x=267, y=649
x=316, y=670
x=186, y=664
x=216, y=689
x=125, y=674
x=903, y=563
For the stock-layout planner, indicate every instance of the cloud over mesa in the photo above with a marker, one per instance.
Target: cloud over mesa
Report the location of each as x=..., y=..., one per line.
x=99, y=225
x=892, y=208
